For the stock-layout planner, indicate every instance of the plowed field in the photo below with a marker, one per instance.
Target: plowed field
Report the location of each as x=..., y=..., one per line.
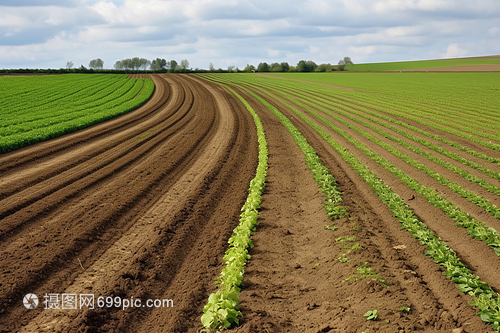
x=142, y=206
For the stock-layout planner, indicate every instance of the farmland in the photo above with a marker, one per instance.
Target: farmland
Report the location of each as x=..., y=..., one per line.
x=359, y=202
x=37, y=108
x=475, y=64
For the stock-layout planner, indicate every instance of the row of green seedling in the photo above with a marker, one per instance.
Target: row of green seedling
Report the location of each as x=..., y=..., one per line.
x=340, y=107
x=476, y=199
x=222, y=310
x=320, y=172
x=486, y=300
x=476, y=229
x=376, y=110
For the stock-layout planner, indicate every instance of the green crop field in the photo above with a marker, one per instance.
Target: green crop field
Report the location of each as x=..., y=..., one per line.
x=414, y=65
x=465, y=104
x=38, y=108
x=436, y=135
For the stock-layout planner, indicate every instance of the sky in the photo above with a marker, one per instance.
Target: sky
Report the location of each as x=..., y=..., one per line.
x=49, y=33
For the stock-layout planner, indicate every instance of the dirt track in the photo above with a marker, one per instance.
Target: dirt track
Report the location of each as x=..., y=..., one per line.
x=142, y=206
x=144, y=203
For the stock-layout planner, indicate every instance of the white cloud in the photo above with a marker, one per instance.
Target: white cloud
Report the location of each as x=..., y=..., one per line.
x=455, y=51
x=494, y=31
x=237, y=32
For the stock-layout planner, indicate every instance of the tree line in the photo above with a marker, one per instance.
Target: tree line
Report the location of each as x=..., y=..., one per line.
x=157, y=65
x=137, y=65
x=302, y=66
x=172, y=66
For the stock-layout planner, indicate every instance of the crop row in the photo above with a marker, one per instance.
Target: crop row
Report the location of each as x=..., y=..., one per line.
x=347, y=110
x=458, y=102
x=29, y=118
x=222, y=307
x=478, y=200
x=476, y=229
x=367, y=104
x=222, y=311
x=485, y=299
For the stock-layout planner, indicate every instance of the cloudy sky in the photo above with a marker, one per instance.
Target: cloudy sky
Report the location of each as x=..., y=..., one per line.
x=48, y=33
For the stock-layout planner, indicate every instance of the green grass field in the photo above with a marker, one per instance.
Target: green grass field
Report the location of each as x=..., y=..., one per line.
x=414, y=65
x=38, y=108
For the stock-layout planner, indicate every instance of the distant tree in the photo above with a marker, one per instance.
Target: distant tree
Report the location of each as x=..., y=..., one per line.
x=69, y=64
x=275, y=67
x=184, y=64
x=139, y=63
x=306, y=66
x=249, y=68
x=173, y=66
x=285, y=66
x=158, y=64
x=211, y=67
x=132, y=64
x=324, y=68
x=96, y=64
x=230, y=69
x=344, y=62
x=119, y=65
x=263, y=67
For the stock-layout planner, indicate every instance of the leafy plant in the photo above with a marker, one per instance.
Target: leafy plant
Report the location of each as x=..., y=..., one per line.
x=405, y=309
x=222, y=311
x=345, y=239
x=331, y=228
x=354, y=247
x=343, y=259
x=371, y=315
x=365, y=271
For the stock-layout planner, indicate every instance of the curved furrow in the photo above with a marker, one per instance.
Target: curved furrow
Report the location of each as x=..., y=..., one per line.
x=97, y=210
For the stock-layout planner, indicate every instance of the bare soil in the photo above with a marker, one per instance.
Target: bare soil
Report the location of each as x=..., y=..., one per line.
x=141, y=206
x=295, y=281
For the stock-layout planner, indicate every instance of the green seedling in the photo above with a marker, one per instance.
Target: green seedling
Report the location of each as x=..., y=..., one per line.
x=345, y=239
x=343, y=259
x=330, y=228
x=371, y=315
x=365, y=271
x=404, y=309
x=354, y=247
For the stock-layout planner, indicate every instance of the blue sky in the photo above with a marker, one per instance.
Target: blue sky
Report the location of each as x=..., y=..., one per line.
x=48, y=33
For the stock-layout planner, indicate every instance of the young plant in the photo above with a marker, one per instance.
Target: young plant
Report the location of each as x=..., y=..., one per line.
x=354, y=247
x=365, y=271
x=345, y=239
x=371, y=315
x=343, y=259
x=330, y=228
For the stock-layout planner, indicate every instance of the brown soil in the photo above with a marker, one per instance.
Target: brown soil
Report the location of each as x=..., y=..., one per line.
x=295, y=281
x=142, y=206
